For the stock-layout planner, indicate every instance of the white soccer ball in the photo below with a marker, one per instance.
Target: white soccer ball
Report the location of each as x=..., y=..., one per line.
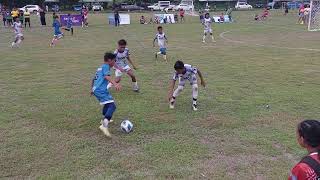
x=126, y=126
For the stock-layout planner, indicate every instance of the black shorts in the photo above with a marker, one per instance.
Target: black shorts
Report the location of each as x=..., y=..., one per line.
x=4, y=19
x=27, y=20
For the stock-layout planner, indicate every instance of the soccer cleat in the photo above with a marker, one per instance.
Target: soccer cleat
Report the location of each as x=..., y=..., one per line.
x=171, y=105
x=105, y=131
x=194, y=107
x=135, y=88
x=204, y=41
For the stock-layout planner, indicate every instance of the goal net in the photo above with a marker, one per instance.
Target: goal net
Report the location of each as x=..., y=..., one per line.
x=314, y=16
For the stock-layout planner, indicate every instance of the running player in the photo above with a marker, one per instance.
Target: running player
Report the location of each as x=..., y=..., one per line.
x=57, y=33
x=17, y=27
x=100, y=91
x=185, y=72
x=122, y=56
x=207, y=27
x=162, y=42
x=69, y=24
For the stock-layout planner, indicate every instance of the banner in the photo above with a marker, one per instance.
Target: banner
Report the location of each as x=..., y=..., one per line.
x=216, y=19
x=165, y=18
x=76, y=19
x=124, y=19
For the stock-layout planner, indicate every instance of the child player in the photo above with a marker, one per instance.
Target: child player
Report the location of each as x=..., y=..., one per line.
x=162, y=42
x=57, y=33
x=99, y=90
x=207, y=27
x=185, y=72
x=69, y=24
x=17, y=27
x=122, y=56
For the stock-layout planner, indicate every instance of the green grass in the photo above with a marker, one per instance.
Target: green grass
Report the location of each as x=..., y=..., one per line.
x=49, y=123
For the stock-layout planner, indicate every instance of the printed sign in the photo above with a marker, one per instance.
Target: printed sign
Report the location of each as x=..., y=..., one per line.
x=165, y=18
x=76, y=19
x=124, y=19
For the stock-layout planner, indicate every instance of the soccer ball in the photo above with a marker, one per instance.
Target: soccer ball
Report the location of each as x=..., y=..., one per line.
x=126, y=126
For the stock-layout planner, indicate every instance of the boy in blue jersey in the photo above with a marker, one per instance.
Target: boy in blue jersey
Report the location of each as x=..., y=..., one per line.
x=69, y=24
x=100, y=91
x=57, y=33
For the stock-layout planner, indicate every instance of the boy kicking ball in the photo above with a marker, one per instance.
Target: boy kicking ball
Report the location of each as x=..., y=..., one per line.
x=100, y=91
x=185, y=72
x=207, y=28
x=162, y=42
x=122, y=56
x=17, y=27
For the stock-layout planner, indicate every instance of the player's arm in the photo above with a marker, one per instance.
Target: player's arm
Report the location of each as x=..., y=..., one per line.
x=116, y=85
x=154, y=40
x=92, y=82
x=203, y=83
x=131, y=62
x=171, y=87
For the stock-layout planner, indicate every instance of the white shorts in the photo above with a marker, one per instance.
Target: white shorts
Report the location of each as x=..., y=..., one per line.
x=192, y=80
x=118, y=73
x=19, y=35
x=58, y=36
x=207, y=31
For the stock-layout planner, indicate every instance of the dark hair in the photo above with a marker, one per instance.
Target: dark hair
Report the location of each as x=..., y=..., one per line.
x=207, y=14
x=109, y=56
x=178, y=65
x=122, y=42
x=310, y=131
x=159, y=27
x=69, y=14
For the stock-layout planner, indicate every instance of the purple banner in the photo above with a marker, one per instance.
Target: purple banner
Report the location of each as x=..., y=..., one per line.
x=76, y=19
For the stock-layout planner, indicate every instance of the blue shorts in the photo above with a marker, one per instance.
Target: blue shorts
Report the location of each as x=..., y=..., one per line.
x=104, y=97
x=163, y=51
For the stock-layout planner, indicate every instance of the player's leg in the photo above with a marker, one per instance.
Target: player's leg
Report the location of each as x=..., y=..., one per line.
x=72, y=31
x=212, y=37
x=204, y=36
x=107, y=111
x=163, y=51
x=135, y=86
x=195, y=92
x=14, y=43
x=176, y=93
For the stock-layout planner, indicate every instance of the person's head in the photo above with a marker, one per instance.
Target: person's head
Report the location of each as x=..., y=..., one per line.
x=109, y=58
x=308, y=134
x=160, y=29
x=54, y=14
x=26, y=9
x=56, y=17
x=69, y=14
x=221, y=14
x=207, y=15
x=179, y=67
x=122, y=45
x=17, y=20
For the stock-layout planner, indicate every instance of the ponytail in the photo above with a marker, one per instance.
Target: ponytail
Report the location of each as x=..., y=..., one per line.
x=310, y=131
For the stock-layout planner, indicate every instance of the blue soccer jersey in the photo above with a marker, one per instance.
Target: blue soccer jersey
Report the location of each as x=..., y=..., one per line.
x=56, y=25
x=100, y=85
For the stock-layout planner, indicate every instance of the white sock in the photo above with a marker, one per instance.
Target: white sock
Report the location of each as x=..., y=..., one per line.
x=204, y=38
x=212, y=37
x=135, y=83
x=109, y=85
x=158, y=53
x=19, y=41
x=165, y=57
x=195, y=93
x=13, y=44
x=105, y=123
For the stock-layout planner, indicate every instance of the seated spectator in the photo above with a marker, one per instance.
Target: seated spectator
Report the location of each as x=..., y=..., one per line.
x=221, y=18
x=308, y=135
x=142, y=20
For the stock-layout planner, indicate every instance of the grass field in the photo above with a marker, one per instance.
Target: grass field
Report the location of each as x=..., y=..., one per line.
x=49, y=123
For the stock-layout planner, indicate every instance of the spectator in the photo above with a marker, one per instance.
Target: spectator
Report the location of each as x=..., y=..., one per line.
x=21, y=16
x=4, y=19
x=308, y=135
x=182, y=15
x=221, y=18
x=201, y=17
x=9, y=18
x=26, y=18
x=286, y=9
x=142, y=20
x=14, y=14
x=43, y=17
x=116, y=18
x=176, y=19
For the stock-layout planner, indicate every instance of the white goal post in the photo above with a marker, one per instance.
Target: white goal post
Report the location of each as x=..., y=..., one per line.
x=314, y=16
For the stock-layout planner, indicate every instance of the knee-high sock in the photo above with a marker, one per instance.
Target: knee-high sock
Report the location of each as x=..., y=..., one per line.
x=195, y=93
